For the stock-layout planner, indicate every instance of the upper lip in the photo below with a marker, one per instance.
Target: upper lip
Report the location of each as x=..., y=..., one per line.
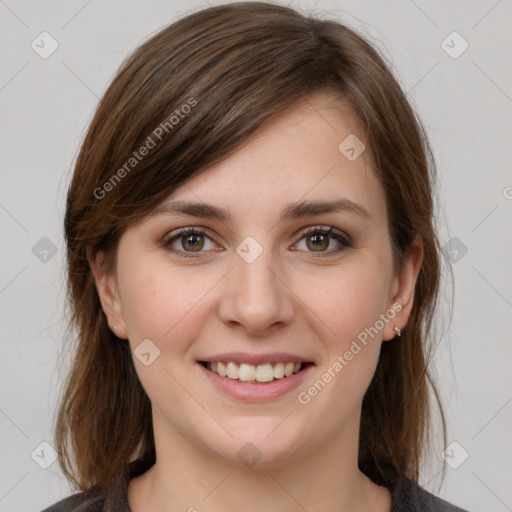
x=256, y=359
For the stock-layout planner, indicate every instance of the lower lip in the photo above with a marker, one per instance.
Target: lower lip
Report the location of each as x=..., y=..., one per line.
x=256, y=392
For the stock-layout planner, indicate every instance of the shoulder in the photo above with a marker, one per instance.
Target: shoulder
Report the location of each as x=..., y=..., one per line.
x=112, y=497
x=79, y=502
x=410, y=497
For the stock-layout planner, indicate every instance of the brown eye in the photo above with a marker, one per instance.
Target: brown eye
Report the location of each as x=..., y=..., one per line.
x=194, y=242
x=187, y=241
x=318, y=239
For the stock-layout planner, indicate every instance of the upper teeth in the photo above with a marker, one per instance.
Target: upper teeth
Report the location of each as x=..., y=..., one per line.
x=246, y=372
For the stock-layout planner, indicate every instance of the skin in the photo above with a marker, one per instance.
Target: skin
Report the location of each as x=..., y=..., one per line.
x=287, y=300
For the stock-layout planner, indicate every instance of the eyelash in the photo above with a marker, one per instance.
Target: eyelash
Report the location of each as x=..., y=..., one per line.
x=321, y=230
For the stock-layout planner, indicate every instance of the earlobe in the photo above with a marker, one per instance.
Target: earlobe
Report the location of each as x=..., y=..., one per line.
x=107, y=289
x=403, y=296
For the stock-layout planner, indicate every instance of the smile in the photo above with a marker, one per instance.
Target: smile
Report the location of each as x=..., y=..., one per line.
x=249, y=373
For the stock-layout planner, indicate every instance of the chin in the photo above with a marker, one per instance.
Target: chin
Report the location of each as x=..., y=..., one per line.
x=257, y=443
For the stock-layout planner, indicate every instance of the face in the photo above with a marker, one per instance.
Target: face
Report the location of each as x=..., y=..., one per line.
x=262, y=288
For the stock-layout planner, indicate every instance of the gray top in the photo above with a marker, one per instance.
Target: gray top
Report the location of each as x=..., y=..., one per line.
x=407, y=496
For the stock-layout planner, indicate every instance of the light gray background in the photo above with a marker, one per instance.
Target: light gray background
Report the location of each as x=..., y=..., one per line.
x=466, y=105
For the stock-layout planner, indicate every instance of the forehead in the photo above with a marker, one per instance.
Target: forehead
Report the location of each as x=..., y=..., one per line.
x=305, y=153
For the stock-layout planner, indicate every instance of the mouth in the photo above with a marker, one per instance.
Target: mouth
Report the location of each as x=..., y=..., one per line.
x=247, y=373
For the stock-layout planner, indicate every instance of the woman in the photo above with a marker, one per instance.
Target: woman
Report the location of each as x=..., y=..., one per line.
x=253, y=270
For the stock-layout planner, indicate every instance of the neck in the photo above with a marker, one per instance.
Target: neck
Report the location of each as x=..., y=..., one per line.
x=191, y=478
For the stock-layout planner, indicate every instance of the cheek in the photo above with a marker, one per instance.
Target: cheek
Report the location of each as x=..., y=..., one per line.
x=351, y=341
x=348, y=306
x=346, y=301
x=162, y=303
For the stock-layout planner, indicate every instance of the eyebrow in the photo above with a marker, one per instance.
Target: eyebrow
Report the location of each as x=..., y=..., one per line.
x=291, y=210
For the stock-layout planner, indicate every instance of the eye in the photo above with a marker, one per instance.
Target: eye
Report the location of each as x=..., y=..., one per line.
x=318, y=239
x=190, y=239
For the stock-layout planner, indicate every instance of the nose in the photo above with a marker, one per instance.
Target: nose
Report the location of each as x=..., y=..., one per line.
x=255, y=296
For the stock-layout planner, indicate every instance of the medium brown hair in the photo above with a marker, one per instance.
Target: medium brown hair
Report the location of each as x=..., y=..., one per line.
x=242, y=64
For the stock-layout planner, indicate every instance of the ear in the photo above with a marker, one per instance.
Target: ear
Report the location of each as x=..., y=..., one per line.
x=402, y=290
x=106, y=284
